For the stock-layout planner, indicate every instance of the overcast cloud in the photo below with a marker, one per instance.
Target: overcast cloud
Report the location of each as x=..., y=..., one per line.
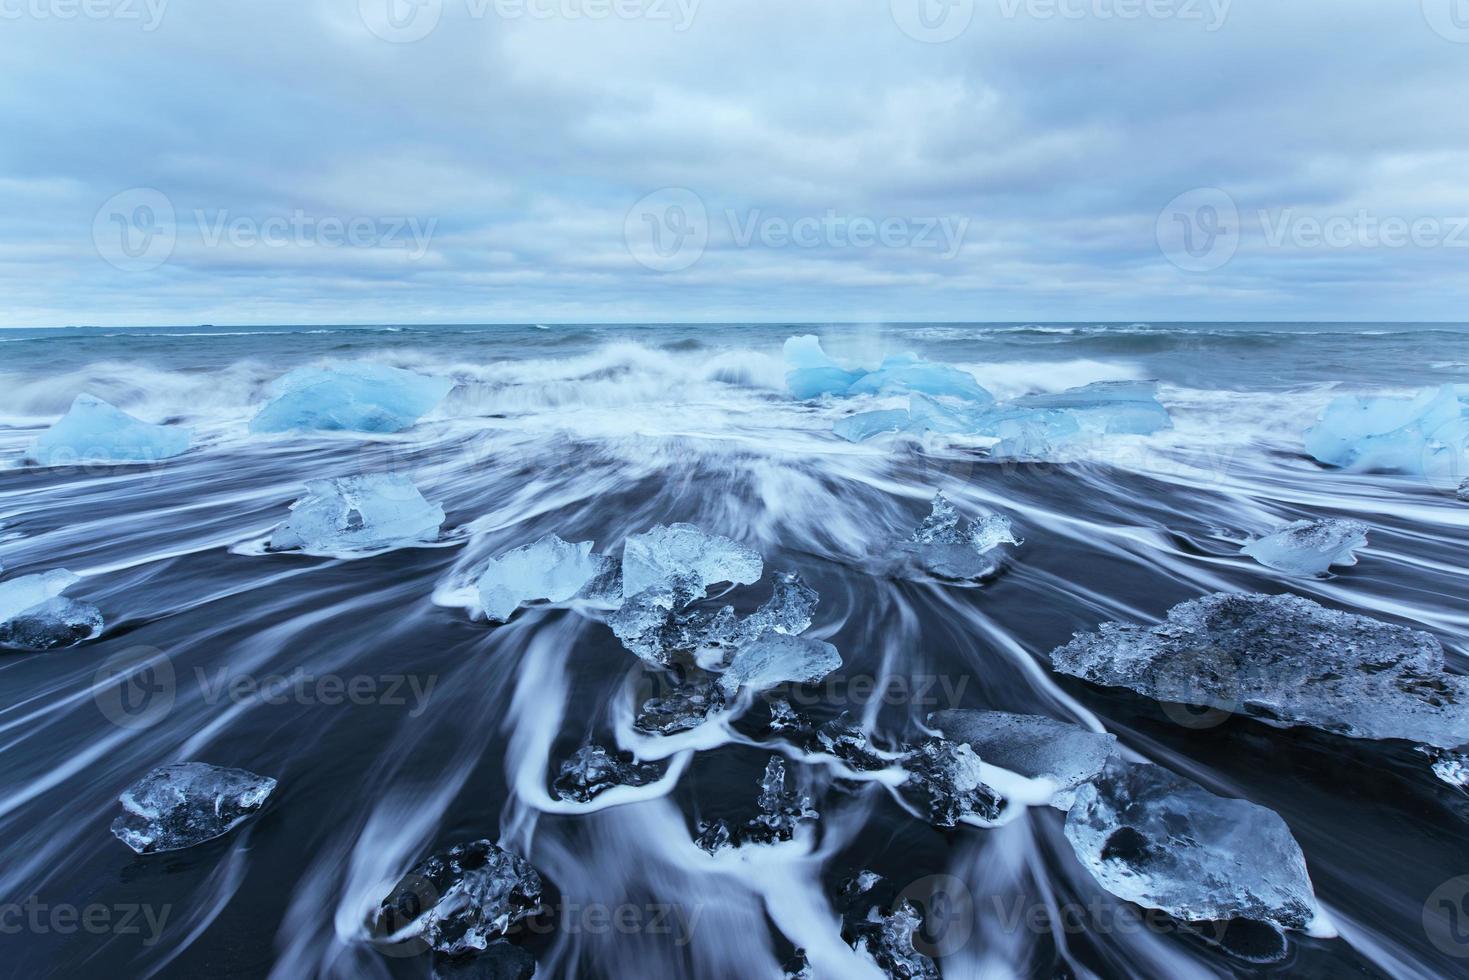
x=378, y=161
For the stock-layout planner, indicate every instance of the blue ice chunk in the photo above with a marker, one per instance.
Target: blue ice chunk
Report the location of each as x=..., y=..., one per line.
x=355, y=397
x=865, y=425
x=683, y=554
x=1110, y=407
x=935, y=416
x=549, y=569
x=775, y=659
x=359, y=514
x=1309, y=547
x=35, y=616
x=812, y=373
x=179, y=806
x=1427, y=434
x=1029, y=433
x=907, y=373
x=94, y=431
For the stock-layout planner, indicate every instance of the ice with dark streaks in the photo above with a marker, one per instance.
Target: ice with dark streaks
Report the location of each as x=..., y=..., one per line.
x=182, y=805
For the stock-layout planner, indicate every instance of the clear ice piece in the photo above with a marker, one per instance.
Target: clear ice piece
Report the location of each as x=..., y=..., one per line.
x=888, y=941
x=1309, y=547
x=684, y=553
x=944, y=777
x=549, y=569
x=782, y=811
x=775, y=659
x=355, y=397
x=462, y=900
x=593, y=770
x=358, y=514
x=1286, y=661
x=866, y=425
x=94, y=431
x=1159, y=840
x=1034, y=746
x=35, y=616
x=1424, y=435
x=1108, y=407
x=181, y=805
x=948, y=546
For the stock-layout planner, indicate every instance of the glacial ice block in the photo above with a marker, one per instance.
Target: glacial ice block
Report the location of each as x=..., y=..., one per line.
x=1309, y=547
x=948, y=546
x=35, y=616
x=549, y=569
x=354, y=397
x=593, y=770
x=359, y=513
x=776, y=659
x=462, y=900
x=1425, y=435
x=1034, y=746
x=94, y=431
x=667, y=553
x=813, y=373
x=1286, y=661
x=1157, y=839
x=1109, y=407
x=944, y=777
x=865, y=425
x=178, y=806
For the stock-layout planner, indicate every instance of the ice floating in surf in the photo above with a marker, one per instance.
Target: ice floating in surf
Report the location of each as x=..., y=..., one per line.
x=34, y=615
x=1157, y=839
x=461, y=901
x=811, y=373
x=1309, y=547
x=181, y=805
x=1426, y=435
x=776, y=659
x=949, y=546
x=353, y=397
x=887, y=940
x=1285, y=661
x=686, y=706
x=549, y=569
x=593, y=770
x=352, y=514
x=682, y=553
x=782, y=812
x=1033, y=746
x=944, y=780
x=93, y=431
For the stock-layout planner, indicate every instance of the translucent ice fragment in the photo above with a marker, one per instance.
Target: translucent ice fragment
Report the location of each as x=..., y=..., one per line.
x=593, y=770
x=355, y=397
x=888, y=941
x=35, y=616
x=549, y=569
x=1157, y=839
x=668, y=553
x=1286, y=661
x=781, y=811
x=94, y=431
x=1109, y=407
x=1034, y=746
x=907, y=373
x=1425, y=435
x=944, y=778
x=462, y=900
x=865, y=425
x=776, y=659
x=178, y=806
x=359, y=513
x=948, y=546
x=1309, y=547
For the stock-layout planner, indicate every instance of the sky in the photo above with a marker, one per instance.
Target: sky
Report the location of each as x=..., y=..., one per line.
x=434, y=161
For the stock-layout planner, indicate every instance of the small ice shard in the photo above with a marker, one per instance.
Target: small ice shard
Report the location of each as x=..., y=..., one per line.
x=462, y=900
x=549, y=569
x=682, y=552
x=845, y=741
x=1034, y=746
x=944, y=546
x=888, y=941
x=684, y=708
x=35, y=616
x=353, y=397
x=944, y=778
x=1158, y=840
x=1109, y=407
x=358, y=514
x=593, y=770
x=775, y=659
x=643, y=624
x=181, y=805
x=1450, y=766
x=865, y=425
x=1285, y=661
x=782, y=811
x=1309, y=547
x=93, y=431
x=1424, y=435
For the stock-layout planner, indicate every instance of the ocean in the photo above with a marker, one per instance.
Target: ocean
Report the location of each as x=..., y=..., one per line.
x=437, y=728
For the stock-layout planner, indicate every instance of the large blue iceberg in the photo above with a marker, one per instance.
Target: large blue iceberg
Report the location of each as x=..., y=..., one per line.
x=812, y=373
x=94, y=431
x=1426, y=435
x=353, y=397
x=356, y=514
